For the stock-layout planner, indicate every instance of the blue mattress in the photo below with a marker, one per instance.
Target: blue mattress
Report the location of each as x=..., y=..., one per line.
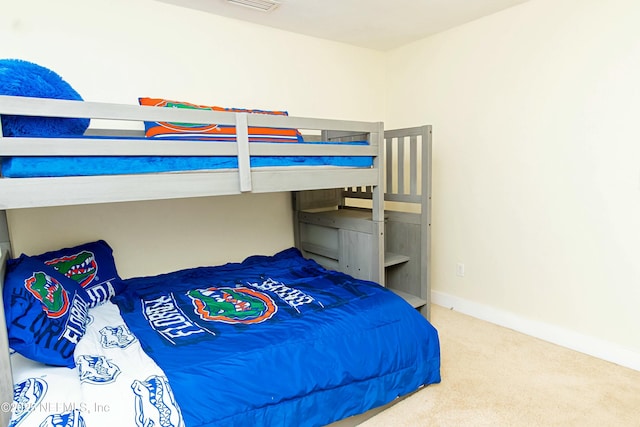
x=54, y=166
x=278, y=340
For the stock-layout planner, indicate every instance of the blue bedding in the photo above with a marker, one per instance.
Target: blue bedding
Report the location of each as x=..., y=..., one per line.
x=56, y=166
x=278, y=340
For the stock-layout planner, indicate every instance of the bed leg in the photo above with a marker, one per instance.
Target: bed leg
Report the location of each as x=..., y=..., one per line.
x=6, y=377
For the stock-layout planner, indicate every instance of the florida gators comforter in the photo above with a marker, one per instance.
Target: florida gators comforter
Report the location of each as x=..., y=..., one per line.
x=278, y=340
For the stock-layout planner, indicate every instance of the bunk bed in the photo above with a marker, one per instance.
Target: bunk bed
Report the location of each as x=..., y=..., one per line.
x=370, y=348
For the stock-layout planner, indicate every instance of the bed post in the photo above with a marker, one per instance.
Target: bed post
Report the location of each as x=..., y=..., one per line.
x=425, y=209
x=377, y=138
x=5, y=242
x=6, y=379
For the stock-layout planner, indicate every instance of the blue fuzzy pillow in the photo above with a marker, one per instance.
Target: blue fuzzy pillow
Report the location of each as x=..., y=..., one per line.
x=45, y=311
x=90, y=265
x=23, y=78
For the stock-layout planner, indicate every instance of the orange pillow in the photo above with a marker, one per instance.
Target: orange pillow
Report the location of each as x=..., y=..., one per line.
x=214, y=131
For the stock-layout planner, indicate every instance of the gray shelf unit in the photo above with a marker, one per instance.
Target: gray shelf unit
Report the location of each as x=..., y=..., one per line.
x=335, y=226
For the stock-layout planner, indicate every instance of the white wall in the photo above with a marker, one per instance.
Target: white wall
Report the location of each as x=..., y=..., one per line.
x=536, y=176
x=119, y=50
x=536, y=184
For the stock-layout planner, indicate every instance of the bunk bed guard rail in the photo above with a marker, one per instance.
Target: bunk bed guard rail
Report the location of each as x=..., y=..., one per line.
x=118, y=141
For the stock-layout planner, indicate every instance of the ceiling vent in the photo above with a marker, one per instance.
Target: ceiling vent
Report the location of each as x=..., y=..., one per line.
x=261, y=5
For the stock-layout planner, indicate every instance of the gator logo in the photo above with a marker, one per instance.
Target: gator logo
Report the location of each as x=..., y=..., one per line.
x=27, y=395
x=190, y=127
x=66, y=419
x=49, y=292
x=120, y=337
x=155, y=404
x=97, y=369
x=81, y=267
x=232, y=305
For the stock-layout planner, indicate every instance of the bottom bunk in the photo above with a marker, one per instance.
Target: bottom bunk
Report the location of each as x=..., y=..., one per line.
x=273, y=340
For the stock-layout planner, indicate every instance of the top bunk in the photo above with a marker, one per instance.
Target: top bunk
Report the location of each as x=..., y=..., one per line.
x=95, y=167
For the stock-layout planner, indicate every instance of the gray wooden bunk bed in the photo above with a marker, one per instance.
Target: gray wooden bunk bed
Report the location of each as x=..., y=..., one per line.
x=389, y=244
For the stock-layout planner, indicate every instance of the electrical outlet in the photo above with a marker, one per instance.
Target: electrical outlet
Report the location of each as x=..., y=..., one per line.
x=460, y=269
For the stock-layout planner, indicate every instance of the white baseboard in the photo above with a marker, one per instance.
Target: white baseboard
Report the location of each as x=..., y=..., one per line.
x=566, y=338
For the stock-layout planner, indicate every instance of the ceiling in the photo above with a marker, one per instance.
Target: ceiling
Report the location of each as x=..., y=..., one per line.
x=374, y=24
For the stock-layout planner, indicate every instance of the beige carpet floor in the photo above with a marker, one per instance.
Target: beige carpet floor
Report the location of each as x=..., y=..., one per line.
x=493, y=376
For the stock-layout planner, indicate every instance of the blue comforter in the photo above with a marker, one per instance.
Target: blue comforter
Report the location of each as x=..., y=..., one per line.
x=278, y=340
x=57, y=166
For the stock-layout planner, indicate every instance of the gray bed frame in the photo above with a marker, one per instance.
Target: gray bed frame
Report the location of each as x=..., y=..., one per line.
x=409, y=276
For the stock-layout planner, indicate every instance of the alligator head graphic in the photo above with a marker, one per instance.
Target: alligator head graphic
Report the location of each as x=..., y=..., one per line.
x=232, y=305
x=155, y=404
x=189, y=127
x=66, y=419
x=49, y=292
x=81, y=267
x=27, y=395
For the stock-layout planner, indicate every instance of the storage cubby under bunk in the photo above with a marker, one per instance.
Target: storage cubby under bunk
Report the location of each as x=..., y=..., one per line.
x=336, y=227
